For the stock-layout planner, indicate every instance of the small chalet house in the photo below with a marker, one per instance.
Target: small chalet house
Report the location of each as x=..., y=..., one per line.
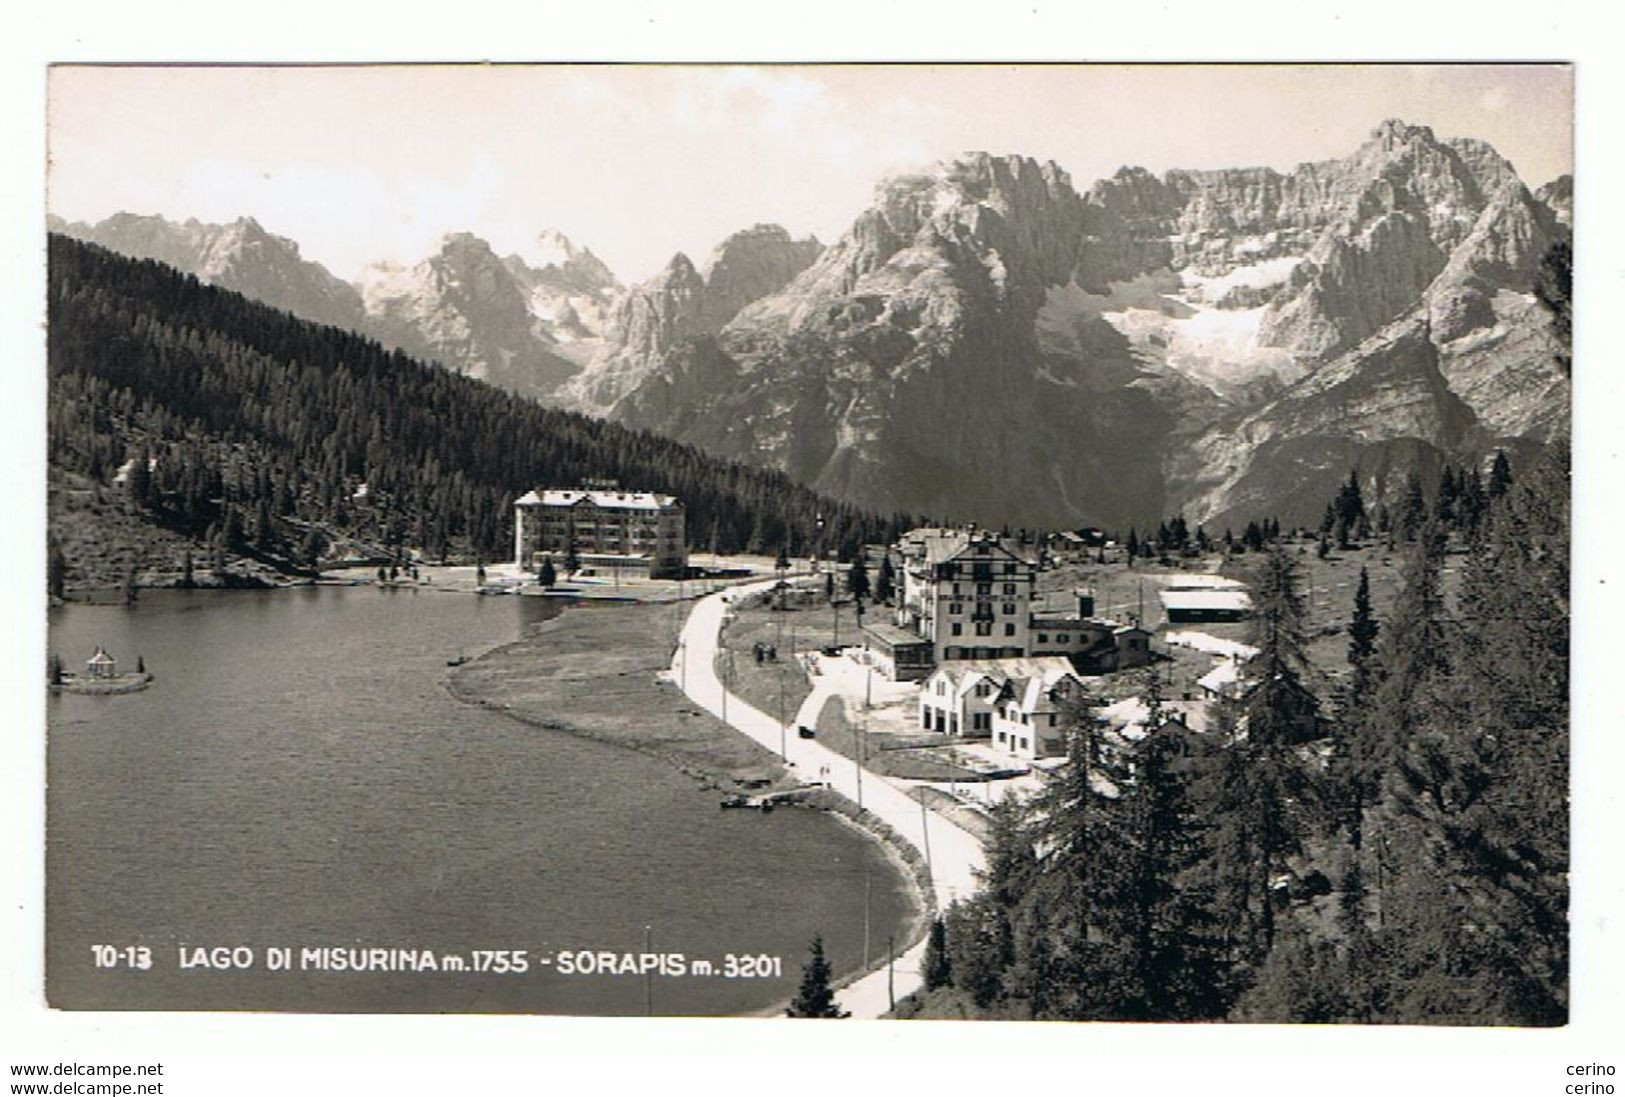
x=1016, y=704
x=1030, y=719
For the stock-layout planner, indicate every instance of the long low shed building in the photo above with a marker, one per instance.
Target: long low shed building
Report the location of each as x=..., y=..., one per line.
x=1182, y=604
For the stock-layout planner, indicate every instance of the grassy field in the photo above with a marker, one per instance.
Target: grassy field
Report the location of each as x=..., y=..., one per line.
x=789, y=630
x=1328, y=587
x=922, y=757
x=592, y=671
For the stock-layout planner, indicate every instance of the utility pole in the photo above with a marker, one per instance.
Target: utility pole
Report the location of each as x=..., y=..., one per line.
x=891, y=954
x=783, y=727
x=925, y=834
x=866, y=889
x=857, y=758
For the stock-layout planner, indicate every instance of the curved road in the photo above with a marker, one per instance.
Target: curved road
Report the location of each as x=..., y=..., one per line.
x=955, y=855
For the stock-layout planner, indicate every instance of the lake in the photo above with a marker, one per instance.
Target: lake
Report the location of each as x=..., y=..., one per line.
x=298, y=778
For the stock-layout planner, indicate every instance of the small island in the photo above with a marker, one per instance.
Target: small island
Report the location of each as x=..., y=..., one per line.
x=101, y=676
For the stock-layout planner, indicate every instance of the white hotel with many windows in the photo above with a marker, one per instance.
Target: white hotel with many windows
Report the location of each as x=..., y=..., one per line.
x=606, y=529
x=967, y=593
x=970, y=595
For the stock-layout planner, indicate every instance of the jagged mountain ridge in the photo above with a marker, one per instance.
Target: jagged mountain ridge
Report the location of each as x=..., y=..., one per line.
x=240, y=256
x=643, y=324
x=986, y=342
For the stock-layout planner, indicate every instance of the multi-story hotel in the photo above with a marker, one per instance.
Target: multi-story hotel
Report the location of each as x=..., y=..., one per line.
x=968, y=594
x=603, y=528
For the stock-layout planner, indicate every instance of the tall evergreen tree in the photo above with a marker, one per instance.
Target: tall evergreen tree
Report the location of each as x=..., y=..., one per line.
x=815, y=997
x=56, y=572
x=857, y=579
x=1500, y=475
x=935, y=968
x=886, y=581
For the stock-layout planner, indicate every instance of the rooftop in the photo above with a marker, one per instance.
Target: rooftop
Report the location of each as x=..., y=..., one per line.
x=893, y=635
x=1180, y=598
x=606, y=498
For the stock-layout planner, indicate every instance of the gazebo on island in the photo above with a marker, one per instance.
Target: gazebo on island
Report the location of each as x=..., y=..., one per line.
x=101, y=665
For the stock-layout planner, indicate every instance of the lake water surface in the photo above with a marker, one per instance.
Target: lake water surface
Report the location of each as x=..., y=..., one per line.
x=298, y=777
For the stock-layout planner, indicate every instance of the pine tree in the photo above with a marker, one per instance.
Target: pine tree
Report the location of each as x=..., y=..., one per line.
x=56, y=573
x=1412, y=509
x=886, y=581
x=547, y=575
x=815, y=998
x=1363, y=631
x=1082, y=876
x=1178, y=969
x=935, y=968
x=1260, y=790
x=857, y=579
x=1500, y=475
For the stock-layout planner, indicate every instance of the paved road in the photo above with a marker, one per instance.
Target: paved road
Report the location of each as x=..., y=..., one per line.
x=955, y=855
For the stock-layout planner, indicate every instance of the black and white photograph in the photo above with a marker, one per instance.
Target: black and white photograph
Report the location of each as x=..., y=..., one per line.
x=1043, y=587
x=942, y=542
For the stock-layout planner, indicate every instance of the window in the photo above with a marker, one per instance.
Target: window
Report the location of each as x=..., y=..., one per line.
x=957, y=629
x=1010, y=588
x=1052, y=719
x=1010, y=568
x=1043, y=637
x=1061, y=639
x=1009, y=608
x=956, y=590
x=983, y=628
x=984, y=588
x=956, y=607
x=1009, y=628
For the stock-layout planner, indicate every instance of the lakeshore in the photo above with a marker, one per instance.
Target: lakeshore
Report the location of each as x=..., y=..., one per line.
x=596, y=671
x=586, y=670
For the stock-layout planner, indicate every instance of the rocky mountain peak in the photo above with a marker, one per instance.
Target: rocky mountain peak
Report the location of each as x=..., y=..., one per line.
x=1392, y=133
x=565, y=266
x=1558, y=196
x=463, y=307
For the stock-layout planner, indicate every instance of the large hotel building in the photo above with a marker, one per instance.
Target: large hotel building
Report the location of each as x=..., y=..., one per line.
x=605, y=528
x=967, y=594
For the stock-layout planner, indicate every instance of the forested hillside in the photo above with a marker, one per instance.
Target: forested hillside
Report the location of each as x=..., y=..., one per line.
x=1391, y=849
x=263, y=436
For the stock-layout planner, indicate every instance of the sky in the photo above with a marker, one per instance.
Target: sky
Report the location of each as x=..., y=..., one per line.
x=367, y=163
